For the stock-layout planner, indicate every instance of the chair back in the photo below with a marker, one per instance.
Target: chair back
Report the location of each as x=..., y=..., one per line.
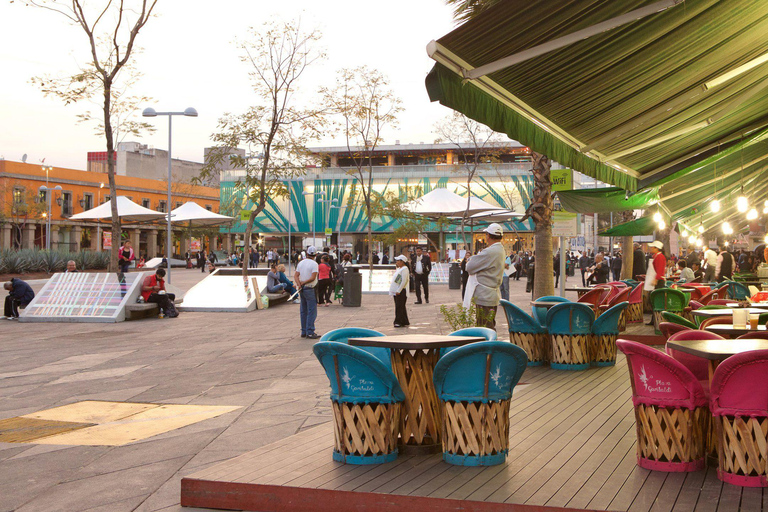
x=343, y=334
x=667, y=299
x=698, y=365
x=719, y=302
x=540, y=313
x=677, y=319
x=622, y=296
x=484, y=332
x=657, y=379
x=630, y=282
x=722, y=291
x=357, y=376
x=571, y=318
x=613, y=291
x=694, y=305
x=480, y=372
x=668, y=329
x=636, y=295
x=595, y=296
x=716, y=320
x=740, y=385
x=693, y=290
x=608, y=322
x=704, y=299
x=738, y=291
x=759, y=335
x=520, y=321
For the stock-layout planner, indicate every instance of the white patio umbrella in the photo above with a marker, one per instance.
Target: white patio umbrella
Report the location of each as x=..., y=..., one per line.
x=194, y=215
x=495, y=216
x=441, y=202
x=127, y=210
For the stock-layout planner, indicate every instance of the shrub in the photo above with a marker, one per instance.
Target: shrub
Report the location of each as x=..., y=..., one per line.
x=34, y=260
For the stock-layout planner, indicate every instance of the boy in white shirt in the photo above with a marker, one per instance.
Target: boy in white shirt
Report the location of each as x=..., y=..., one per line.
x=398, y=289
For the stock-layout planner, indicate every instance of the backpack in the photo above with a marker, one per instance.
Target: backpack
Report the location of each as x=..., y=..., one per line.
x=171, y=311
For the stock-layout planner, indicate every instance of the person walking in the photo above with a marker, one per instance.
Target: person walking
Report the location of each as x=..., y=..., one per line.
x=710, y=260
x=654, y=276
x=725, y=265
x=126, y=256
x=398, y=289
x=306, y=280
x=583, y=264
x=638, y=262
x=464, y=274
x=556, y=267
x=616, y=267
x=421, y=265
x=487, y=268
x=505, y=278
x=201, y=259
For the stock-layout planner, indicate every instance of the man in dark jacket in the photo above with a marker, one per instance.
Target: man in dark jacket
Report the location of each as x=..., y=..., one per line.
x=583, y=264
x=616, y=267
x=19, y=295
x=421, y=266
x=638, y=262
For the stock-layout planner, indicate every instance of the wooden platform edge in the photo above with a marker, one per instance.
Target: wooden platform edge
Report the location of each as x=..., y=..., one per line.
x=275, y=498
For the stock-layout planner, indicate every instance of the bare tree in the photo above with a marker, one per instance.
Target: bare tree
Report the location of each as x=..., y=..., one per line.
x=19, y=206
x=475, y=144
x=362, y=98
x=111, y=30
x=275, y=132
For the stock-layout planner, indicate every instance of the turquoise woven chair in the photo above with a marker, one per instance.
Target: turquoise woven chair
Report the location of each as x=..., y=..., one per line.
x=527, y=333
x=476, y=381
x=488, y=334
x=605, y=330
x=364, y=389
x=738, y=291
x=667, y=299
x=343, y=334
x=540, y=313
x=570, y=327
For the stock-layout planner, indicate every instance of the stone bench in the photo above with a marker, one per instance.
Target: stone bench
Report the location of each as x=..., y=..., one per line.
x=275, y=298
x=140, y=310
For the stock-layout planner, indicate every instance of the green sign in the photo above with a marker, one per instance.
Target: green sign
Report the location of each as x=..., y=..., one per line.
x=245, y=215
x=562, y=179
x=328, y=231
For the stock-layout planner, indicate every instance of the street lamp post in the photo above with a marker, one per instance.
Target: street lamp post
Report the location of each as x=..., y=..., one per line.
x=290, y=219
x=338, y=236
x=327, y=216
x=150, y=112
x=321, y=193
x=48, y=190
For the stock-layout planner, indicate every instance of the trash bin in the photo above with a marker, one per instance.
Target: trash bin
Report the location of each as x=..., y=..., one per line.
x=353, y=287
x=454, y=276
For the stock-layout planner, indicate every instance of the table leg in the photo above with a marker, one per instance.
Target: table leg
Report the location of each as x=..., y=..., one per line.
x=420, y=419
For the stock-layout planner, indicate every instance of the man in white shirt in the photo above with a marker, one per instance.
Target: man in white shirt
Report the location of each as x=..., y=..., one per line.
x=398, y=289
x=710, y=258
x=306, y=279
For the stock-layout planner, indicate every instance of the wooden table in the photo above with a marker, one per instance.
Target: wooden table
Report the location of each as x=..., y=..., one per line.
x=546, y=303
x=711, y=313
x=729, y=331
x=414, y=357
x=755, y=305
x=716, y=351
x=581, y=290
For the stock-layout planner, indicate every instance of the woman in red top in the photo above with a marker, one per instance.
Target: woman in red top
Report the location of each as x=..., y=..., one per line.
x=151, y=288
x=324, y=281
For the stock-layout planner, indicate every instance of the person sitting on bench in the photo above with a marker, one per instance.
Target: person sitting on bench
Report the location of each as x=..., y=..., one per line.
x=273, y=281
x=153, y=291
x=284, y=279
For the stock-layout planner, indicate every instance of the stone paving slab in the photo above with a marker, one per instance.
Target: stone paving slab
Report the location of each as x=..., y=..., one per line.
x=253, y=360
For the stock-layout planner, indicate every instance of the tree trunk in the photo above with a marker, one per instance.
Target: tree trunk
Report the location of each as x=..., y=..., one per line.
x=116, y=228
x=247, y=247
x=541, y=212
x=627, y=248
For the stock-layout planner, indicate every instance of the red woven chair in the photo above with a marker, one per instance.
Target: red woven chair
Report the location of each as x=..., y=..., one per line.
x=716, y=320
x=720, y=302
x=760, y=335
x=722, y=292
x=622, y=296
x=635, y=309
x=670, y=410
x=669, y=328
x=739, y=405
x=618, y=284
x=693, y=290
x=698, y=365
x=704, y=299
x=595, y=297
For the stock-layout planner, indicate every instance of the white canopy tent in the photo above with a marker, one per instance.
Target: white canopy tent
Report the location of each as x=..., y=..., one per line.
x=127, y=210
x=495, y=216
x=194, y=215
x=441, y=202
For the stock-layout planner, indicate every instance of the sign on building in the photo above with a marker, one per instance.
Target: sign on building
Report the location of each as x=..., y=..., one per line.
x=564, y=224
x=562, y=179
x=106, y=240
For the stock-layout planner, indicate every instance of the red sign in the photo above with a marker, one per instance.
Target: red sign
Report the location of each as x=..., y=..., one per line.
x=106, y=242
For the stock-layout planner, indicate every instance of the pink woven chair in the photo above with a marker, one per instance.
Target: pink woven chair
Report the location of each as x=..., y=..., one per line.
x=670, y=328
x=720, y=302
x=754, y=335
x=694, y=305
x=739, y=405
x=698, y=365
x=670, y=410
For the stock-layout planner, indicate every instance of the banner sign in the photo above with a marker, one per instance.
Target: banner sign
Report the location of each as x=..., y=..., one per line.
x=564, y=224
x=562, y=179
x=106, y=240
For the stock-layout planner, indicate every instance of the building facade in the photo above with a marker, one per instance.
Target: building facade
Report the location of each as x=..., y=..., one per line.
x=23, y=208
x=326, y=203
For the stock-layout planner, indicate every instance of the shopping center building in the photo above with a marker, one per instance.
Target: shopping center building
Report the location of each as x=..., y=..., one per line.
x=326, y=202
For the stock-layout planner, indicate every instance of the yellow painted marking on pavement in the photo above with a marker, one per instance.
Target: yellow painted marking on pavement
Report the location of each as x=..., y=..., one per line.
x=26, y=430
x=92, y=411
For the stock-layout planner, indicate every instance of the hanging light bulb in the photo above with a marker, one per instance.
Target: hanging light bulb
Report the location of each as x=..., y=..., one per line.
x=766, y=203
x=742, y=204
x=684, y=234
x=752, y=214
x=726, y=243
x=691, y=239
x=657, y=217
x=701, y=243
x=714, y=206
x=701, y=228
x=765, y=210
x=662, y=225
x=727, y=229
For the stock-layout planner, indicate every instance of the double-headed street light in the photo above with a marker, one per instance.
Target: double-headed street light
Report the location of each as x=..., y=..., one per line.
x=48, y=196
x=150, y=112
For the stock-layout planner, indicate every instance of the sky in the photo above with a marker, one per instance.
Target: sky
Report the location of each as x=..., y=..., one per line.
x=189, y=60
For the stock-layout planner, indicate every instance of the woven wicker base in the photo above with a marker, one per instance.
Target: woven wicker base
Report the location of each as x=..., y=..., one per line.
x=535, y=345
x=671, y=439
x=420, y=418
x=634, y=313
x=602, y=350
x=623, y=321
x=742, y=450
x=365, y=433
x=475, y=433
x=569, y=352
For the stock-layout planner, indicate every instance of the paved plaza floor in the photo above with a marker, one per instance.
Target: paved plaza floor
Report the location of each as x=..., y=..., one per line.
x=255, y=361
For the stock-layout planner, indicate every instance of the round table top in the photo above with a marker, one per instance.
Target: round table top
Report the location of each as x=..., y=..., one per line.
x=709, y=313
x=717, y=350
x=415, y=341
x=754, y=305
x=546, y=303
x=578, y=288
x=730, y=330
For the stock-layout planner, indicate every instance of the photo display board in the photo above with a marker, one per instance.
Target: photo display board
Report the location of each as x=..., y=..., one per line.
x=378, y=280
x=84, y=297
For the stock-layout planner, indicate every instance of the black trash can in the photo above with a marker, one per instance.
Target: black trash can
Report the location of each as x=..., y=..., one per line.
x=454, y=276
x=353, y=287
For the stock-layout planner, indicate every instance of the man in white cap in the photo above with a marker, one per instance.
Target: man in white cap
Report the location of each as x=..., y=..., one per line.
x=399, y=290
x=306, y=280
x=657, y=267
x=488, y=268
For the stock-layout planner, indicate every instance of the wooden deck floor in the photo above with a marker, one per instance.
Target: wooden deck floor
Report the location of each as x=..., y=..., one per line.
x=572, y=445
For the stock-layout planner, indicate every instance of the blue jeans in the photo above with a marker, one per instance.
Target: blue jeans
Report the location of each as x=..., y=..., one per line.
x=308, y=310
x=280, y=287
x=505, y=287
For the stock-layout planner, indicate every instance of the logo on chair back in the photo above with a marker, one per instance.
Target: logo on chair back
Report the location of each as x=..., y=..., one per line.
x=498, y=381
x=653, y=386
x=345, y=378
x=362, y=386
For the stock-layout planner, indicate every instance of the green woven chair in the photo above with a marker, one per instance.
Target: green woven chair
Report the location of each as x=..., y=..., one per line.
x=677, y=319
x=666, y=299
x=700, y=319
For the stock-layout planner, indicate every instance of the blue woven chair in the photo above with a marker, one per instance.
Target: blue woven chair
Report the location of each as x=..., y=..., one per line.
x=474, y=384
x=540, y=313
x=605, y=330
x=343, y=334
x=570, y=327
x=527, y=333
x=484, y=332
x=738, y=291
x=366, y=400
